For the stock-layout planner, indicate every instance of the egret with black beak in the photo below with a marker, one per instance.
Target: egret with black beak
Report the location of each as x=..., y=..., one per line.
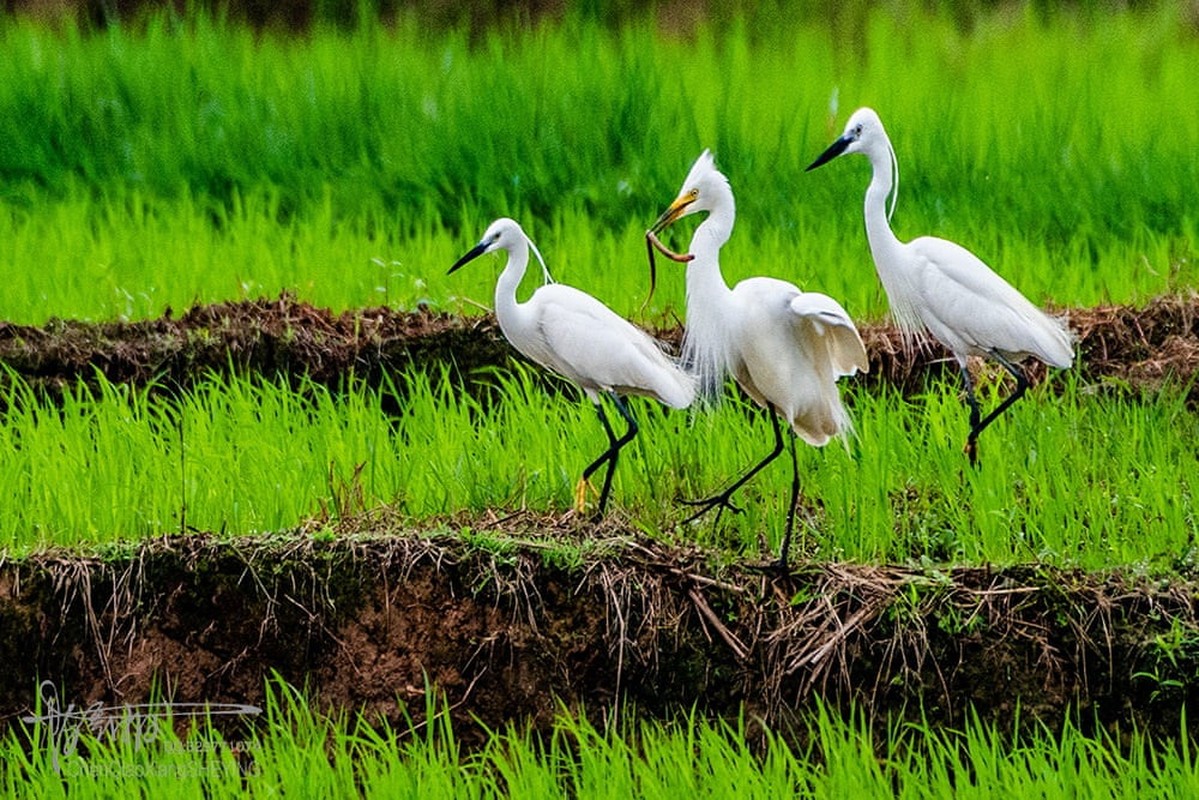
x=942, y=287
x=576, y=336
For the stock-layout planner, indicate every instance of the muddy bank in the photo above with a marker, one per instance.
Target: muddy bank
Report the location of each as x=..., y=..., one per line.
x=1121, y=348
x=366, y=615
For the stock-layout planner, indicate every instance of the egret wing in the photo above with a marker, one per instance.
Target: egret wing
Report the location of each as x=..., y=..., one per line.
x=594, y=346
x=831, y=323
x=967, y=300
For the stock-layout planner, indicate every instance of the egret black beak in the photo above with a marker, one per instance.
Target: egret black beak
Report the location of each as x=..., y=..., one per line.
x=835, y=149
x=474, y=253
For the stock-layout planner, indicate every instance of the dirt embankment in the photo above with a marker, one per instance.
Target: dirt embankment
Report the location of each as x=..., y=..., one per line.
x=504, y=630
x=1120, y=348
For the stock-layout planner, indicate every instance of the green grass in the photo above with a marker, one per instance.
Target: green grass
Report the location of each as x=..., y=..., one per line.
x=155, y=165
x=294, y=750
x=1068, y=477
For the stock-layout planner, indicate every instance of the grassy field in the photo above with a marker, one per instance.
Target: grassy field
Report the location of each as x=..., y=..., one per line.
x=1069, y=478
x=298, y=751
x=152, y=166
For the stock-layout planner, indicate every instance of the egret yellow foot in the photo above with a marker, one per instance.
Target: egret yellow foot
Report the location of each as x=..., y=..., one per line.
x=581, y=494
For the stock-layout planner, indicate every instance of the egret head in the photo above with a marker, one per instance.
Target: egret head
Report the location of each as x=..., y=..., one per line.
x=503, y=234
x=863, y=133
x=704, y=189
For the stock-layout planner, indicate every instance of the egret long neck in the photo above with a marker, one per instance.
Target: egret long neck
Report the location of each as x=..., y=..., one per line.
x=878, y=227
x=704, y=282
x=890, y=260
x=706, y=338
x=507, y=309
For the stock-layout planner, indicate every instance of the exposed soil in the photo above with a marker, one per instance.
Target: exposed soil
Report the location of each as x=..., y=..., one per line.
x=1121, y=348
x=279, y=338
x=369, y=619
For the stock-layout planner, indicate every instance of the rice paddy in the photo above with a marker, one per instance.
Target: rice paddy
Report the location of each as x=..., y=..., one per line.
x=243, y=455
x=148, y=166
x=153, y=166
x=300, y=751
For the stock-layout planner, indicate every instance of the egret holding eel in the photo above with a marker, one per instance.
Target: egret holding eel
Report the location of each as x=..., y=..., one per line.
x=786, y=348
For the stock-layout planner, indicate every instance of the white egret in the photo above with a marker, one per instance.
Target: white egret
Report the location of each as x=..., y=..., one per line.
x=786, y=348
x=571, y=333
x=942, y=287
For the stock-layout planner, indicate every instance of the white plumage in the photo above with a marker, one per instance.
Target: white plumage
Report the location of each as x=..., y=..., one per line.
x=573, y=334
x=940, y=286
x=786, y=348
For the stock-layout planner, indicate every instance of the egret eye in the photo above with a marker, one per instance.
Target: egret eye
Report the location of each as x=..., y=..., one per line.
x=694, y=193
x=857, y=132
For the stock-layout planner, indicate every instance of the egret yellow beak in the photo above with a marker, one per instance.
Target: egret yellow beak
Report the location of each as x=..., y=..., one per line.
x=676, y=209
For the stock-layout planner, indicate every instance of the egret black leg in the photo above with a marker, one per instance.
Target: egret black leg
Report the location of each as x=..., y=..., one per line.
x=975, y=415
x=784, y=551
x=1021, y=387
x=976, y=426
x=614, y=445
x=722, y=500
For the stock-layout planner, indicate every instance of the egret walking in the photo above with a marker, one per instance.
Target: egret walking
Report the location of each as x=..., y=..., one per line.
x=571, y=333
x=946, y=289
x=784, y=347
